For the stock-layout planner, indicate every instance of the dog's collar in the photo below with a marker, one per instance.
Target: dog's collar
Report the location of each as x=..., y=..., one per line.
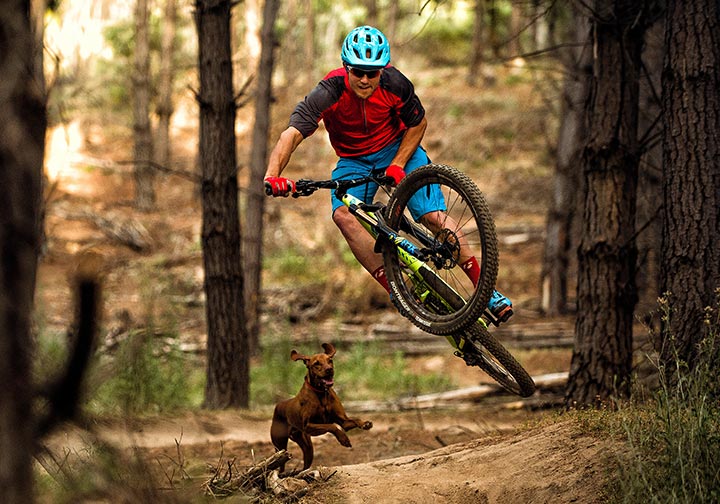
x=315, y=389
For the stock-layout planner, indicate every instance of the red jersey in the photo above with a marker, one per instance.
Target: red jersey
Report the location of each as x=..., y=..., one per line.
x=358, y=127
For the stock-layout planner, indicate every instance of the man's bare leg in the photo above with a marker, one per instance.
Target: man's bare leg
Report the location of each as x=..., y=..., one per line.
x=361, y=244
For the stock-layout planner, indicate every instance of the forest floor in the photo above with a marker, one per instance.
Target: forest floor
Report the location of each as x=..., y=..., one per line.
x=495, y=450
x=483, y=453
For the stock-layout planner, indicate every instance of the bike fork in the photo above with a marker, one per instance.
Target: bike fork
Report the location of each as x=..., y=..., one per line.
x=458, y=342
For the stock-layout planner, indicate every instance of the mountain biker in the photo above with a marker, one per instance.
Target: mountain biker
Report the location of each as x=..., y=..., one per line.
x=375, y=123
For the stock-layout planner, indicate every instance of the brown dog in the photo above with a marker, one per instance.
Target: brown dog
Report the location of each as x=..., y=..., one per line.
x=315, y=410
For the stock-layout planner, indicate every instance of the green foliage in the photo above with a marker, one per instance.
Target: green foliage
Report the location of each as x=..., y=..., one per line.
x=456, y=111
x=51, y=353
x=121, y=38
x=148, y=374
x=275, y=377
x=514, y=79
x=347, y=255
x=363, y=372
x=118, y=69
x=103, y=84
x=294, y=264
x=366, y=371
x=446, y=43
x=675, y=436
x=99, y=472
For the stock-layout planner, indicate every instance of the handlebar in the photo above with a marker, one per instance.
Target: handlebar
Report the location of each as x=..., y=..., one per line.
x=305, y=187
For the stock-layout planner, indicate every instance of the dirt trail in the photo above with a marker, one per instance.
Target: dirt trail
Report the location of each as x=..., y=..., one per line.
x=555, y=464
x=482, y=454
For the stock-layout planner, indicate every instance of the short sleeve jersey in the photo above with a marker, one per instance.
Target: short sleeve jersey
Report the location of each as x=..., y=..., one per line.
x=358, y=126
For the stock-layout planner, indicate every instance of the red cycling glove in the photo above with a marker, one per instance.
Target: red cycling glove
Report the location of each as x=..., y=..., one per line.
x=279, y=186
x=396, y=172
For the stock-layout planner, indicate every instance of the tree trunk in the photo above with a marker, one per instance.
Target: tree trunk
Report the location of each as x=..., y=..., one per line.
x=309, y=46
x=37, y=23
x=691, y=173
x=22, y=107
x=560, y=238
x=165, y=107
x=540, y=27
x=649, y=202
x=602, y=357
x=393, y=12
x=494, y=28
x=142, y=134
x=227, y=346
x=516, y=17
x=250, y=48
x=477, y=44
x=371, y=17
x=252, y=236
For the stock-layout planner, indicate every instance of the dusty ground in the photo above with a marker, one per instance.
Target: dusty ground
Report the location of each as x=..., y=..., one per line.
x=485, y=452
x=480, y=454
x=545, y=464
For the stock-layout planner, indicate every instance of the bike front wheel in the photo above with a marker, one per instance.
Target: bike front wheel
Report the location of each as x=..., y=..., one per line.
x=480, y=348
x=442, y=213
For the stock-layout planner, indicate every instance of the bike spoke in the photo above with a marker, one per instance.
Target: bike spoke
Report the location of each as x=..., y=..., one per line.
x=459, y=227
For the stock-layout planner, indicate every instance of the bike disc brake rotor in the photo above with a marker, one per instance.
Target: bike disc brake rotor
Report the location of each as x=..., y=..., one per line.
x=448, y=250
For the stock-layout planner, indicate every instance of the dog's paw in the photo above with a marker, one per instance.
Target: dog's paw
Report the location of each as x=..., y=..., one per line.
x=366, y=426
x=344, y=440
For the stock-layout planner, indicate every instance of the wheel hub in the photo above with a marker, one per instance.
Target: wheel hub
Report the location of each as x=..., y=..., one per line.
x=448, y=249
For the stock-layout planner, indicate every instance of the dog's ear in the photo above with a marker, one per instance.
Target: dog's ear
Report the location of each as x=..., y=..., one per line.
x=296, y=356
x=329, y=349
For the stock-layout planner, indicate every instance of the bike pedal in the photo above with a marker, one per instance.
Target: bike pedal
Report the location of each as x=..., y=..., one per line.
x=505, y=314
x=487, y=318
x=496, y=321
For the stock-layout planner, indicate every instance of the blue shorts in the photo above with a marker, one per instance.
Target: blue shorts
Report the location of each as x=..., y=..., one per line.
x=353, y=167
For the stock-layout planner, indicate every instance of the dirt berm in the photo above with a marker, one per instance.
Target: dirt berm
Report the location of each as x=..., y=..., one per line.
x=555, y=463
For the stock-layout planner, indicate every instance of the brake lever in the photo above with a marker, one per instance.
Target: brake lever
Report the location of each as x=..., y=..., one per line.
x=385, y=180
x=302, y=188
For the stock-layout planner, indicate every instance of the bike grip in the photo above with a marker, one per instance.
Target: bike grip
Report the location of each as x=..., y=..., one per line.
x=268, y=189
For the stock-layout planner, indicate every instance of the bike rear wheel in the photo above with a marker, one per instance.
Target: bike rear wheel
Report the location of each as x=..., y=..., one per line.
x=439, y=296
x=482, y=349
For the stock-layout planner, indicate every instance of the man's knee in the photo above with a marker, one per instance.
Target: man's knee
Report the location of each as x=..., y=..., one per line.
x=341, y=217
x=345, y=221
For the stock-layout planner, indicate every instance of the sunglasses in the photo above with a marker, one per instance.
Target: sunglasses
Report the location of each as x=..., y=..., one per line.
x=371, y=74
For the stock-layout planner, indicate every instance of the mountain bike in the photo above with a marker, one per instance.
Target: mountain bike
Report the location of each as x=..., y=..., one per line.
x=423, y=259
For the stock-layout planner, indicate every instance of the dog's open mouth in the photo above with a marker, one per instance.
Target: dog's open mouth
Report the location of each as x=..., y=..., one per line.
x=327, y=382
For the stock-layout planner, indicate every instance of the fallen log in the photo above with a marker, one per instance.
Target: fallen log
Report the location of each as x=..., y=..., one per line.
x=546, y=382
x=125, y=230
x=256, y=473
x=286, y=487
x=224, y=482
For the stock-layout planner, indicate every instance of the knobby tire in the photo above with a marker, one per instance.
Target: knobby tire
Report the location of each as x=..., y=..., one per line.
x=483, y=350
x=463, y=308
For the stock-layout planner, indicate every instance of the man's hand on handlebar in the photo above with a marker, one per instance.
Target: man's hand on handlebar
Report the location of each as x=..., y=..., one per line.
x=395, y=172
x=279, y=186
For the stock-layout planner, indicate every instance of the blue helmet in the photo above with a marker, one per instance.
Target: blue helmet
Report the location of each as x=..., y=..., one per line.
x=366, y=48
